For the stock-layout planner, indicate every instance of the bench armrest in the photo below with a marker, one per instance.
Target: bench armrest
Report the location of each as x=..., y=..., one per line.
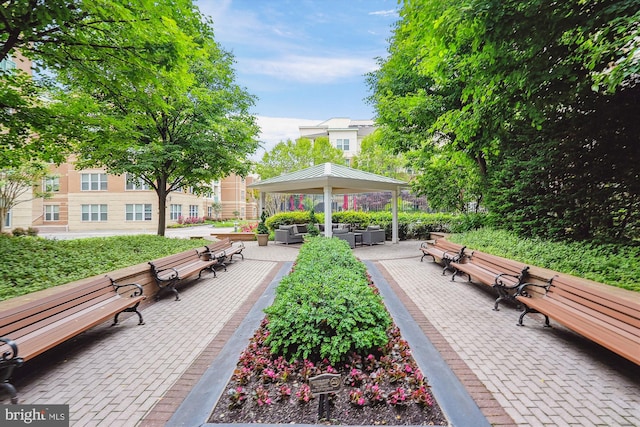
x=10, y=357
x=452, y=256
x=137, y=291
x=498, y=282
x=522, y=288
x=171, y=277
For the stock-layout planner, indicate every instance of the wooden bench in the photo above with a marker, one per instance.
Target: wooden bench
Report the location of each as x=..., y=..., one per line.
x=173, y=269
x=30, y=329
x=443, y=250
x=223, y=251
x=605, y=314
x=503, y=274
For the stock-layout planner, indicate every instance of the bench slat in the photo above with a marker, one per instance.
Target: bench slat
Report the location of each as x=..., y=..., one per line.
x=49, y=308
x=173, y=269
x=596, y=306
x=46, y=336
x=617, y=340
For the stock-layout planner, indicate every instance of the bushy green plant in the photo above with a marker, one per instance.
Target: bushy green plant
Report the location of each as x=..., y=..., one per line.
x=313, y=228
x=262, y=226
x=325, y=307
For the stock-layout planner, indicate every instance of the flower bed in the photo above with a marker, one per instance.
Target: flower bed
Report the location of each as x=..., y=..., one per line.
x=328, y=318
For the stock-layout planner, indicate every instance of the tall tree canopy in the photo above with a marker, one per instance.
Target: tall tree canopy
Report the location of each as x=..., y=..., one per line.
x=290, y=156
x=376, y=157
x=150, y=93
x=55, y=33
x=540, y=95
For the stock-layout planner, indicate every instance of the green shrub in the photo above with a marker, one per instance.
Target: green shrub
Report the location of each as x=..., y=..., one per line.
x=415, y=225
x=325, y=307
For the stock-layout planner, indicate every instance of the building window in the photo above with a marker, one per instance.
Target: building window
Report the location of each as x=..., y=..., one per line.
x=51, y=184
x=7, y=64
x=210, y=211
x=175, y=212
x=138, y=212
x=93, y=182
x=94, y=212
x=342, y=144
x=52, y=213
x=193, y=211
x=136, y=184
x=7, y=219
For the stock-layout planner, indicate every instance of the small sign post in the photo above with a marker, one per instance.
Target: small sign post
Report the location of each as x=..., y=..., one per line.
x=322, y=385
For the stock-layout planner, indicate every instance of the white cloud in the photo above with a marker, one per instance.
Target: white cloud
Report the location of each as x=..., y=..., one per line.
x=309, y=69
x=390, y=12
x=276, y=129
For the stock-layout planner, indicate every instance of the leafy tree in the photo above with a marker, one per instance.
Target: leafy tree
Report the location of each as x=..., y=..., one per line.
x=289, y=156
x=28, y=128
x=449, y=179
x=18, y=182
x=376, y=158
x=487, y=78
x=171, y=115
x=55, y=33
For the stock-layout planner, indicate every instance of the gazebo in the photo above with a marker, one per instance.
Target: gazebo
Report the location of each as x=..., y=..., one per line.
x=329, y=179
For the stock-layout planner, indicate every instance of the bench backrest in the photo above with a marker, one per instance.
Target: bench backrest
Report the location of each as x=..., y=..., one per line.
x=446, y=245
x=33, y=315
x=609, y=304
x=496, y=264
x=175, y=260
x=218, y=247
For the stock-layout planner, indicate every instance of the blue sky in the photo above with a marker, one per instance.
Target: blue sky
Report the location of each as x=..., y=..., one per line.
x=305, y=60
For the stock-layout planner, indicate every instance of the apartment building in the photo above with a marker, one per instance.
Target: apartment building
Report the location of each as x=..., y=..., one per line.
x=91, y=199
x=343, y=133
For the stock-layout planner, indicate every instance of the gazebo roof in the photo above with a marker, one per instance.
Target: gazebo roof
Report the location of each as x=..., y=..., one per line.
x=341, y=179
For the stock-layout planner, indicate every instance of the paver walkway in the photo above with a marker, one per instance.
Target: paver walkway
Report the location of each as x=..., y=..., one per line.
x=129, y=375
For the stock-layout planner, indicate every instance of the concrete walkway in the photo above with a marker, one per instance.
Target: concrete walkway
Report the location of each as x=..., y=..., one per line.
x=137, y=375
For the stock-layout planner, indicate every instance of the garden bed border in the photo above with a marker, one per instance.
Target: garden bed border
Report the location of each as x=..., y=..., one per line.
x=454, y=400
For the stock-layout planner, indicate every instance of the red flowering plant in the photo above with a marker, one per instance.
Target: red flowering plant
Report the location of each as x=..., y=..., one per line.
x=249, y=228
x=384, y=377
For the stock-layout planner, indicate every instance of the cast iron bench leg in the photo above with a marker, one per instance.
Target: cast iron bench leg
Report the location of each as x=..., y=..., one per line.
x=133, y=309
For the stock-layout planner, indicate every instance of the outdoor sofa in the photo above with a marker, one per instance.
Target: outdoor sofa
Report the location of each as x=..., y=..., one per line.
x=291, y=233
x=372, y=235
x=345, y=234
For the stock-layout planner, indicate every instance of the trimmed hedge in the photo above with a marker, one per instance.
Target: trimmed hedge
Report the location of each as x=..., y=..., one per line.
x=416, y=226
x=325, y=307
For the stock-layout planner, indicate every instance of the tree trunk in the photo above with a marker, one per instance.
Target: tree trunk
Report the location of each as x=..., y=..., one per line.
x=162, y=207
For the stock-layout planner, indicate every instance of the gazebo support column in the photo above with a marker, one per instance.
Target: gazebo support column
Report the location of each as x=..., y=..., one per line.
x=327, y=211
x=394, y=216
x=263, y=203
